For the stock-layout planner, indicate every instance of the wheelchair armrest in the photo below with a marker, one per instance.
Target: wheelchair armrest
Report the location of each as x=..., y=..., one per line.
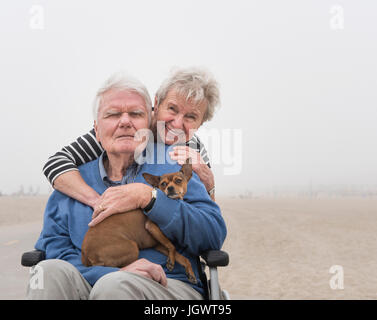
x=215, y=258
x=31, y=258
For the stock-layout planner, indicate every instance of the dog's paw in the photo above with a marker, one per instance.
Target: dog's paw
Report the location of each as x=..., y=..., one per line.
x=192, y=278
x=170, y=265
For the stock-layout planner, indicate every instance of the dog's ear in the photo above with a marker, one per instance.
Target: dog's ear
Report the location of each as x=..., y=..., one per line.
x=154, y=181
x=187, y=169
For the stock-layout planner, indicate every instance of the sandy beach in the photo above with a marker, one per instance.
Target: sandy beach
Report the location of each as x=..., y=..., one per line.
x=280, y=248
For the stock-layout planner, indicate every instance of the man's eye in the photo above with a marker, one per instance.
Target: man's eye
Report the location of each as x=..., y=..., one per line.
x=136, y=113
x=115, y=114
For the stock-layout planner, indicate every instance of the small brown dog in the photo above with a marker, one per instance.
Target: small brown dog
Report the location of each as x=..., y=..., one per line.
x=116, y=241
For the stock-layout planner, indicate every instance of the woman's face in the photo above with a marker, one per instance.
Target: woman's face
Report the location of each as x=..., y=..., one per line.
x=176, y=119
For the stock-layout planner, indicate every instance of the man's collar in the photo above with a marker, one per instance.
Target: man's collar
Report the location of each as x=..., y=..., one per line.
x=129, y=177
x=101, y=166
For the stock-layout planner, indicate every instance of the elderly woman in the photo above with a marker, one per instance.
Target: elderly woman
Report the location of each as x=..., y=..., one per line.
x=184, y=101
x=122, y=108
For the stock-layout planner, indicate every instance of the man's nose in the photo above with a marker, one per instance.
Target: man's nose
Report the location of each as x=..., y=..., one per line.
x=124, y=120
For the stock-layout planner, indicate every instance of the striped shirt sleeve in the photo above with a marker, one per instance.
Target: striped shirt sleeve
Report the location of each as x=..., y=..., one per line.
x=197, y=145
x=86, y=148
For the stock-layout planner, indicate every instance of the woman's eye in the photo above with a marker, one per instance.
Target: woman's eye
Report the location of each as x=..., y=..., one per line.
x=191, y=117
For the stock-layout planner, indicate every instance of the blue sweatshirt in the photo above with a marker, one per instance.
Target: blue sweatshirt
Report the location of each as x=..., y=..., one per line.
x=193, y=225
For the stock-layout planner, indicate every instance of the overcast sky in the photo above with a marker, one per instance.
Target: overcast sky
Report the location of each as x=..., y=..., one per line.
x=298, y=82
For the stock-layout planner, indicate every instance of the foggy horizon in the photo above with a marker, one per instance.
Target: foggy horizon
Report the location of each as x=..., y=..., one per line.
x=297, y=82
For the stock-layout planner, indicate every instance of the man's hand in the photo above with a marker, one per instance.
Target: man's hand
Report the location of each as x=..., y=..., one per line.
x=148, y=269
x=181, y=153
x=121, y=199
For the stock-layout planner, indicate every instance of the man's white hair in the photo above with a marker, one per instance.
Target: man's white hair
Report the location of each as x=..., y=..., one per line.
x=193, y=83
x=122, y=82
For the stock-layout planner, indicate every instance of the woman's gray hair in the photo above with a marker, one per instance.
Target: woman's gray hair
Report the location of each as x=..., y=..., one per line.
x=193, y=83
x=122, y=82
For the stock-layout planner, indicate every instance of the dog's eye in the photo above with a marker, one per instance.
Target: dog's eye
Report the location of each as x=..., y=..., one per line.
x=163, y=184
x=178, y=181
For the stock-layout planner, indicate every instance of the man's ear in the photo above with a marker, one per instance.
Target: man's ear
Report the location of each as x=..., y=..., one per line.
x=96, y=130
x=154, y=181
x=155, y=107
x=187, y=169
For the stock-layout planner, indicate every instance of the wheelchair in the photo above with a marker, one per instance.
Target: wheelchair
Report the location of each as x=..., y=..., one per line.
x=211, y=259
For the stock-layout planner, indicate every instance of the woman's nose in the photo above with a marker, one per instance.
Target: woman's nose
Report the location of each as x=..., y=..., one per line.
x=177, y=122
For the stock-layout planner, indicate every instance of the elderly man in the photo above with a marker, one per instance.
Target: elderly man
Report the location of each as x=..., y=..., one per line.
x=184, y=101
x=122, y=108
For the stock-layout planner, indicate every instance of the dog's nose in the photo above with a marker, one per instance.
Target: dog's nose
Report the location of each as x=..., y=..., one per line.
x=170, y=189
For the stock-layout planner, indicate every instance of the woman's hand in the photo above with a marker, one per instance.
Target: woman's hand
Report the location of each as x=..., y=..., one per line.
x=121, y=199
x=181, y=153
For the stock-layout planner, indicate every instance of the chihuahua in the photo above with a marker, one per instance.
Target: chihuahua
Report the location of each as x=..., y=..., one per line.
x=116, y=241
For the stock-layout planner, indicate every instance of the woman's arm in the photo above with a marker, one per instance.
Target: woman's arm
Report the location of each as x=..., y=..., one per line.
x=73, y=185
x=61, y=168
x=203, y=171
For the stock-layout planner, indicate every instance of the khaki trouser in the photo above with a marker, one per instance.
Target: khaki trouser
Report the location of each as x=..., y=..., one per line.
x=61, y=280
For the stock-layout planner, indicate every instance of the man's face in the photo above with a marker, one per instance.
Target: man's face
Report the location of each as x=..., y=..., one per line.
x=120, y=115
x=181, y=117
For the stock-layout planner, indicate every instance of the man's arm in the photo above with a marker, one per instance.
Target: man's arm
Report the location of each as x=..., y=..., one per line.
x=194, y=223
x=61, y=168
x=56, y=242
